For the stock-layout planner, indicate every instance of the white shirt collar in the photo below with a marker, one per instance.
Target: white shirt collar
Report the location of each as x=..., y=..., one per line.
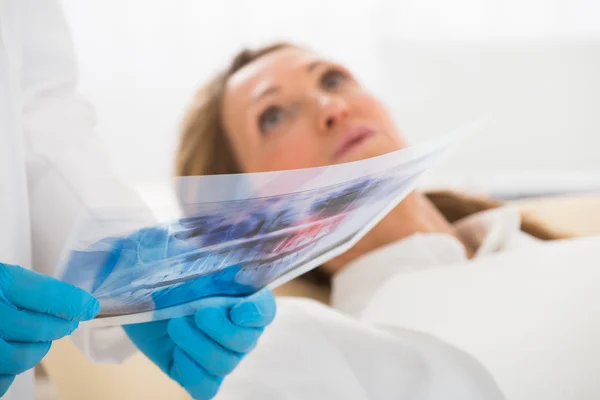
x=488, y=231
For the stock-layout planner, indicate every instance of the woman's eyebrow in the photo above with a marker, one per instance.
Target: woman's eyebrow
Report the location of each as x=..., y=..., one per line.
x=266, y=92
x=313, y=65
x=274, y=89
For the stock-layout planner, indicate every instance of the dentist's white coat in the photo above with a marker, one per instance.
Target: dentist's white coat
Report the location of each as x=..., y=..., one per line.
x=51, y=166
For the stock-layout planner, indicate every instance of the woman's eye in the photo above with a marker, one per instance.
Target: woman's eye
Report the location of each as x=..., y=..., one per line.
x=332, y=79
x=270, y=118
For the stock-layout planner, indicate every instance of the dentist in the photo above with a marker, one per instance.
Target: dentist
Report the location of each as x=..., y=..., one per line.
x=48, y=158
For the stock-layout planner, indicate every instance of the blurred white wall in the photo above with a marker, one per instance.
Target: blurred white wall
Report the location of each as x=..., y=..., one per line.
x=532, y=64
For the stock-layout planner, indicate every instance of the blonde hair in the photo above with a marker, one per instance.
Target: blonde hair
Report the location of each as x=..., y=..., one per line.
x=203, y=146
x=205, y=150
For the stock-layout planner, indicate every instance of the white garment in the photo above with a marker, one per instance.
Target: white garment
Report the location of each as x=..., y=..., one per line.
x=313, y=351
x=51, y=166
x=530, y=314
x=489, y=232
x=528, y=311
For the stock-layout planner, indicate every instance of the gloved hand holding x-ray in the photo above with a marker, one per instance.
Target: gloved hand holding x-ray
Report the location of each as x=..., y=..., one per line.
x=234, y=235
x=199, y=350
x=35, y=310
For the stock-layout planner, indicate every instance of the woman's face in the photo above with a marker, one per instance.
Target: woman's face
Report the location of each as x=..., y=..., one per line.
x=293, y=109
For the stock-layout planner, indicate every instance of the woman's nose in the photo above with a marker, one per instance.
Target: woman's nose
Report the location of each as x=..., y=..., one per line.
x=333, y=110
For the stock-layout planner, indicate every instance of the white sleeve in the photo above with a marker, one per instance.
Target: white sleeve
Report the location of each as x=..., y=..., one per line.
x=68, y=171
x=295, y=359
x=311, y=351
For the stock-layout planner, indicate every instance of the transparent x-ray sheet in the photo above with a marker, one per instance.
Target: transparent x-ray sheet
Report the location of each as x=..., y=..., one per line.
x=237, y=234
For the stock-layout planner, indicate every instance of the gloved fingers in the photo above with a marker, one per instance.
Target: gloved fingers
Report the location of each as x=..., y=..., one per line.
x=151, y=332
x=44, y=294
x=5, y=382
x=207, y=353
x=152, y=339
x=28, y=326
x=215, y=323
x=18, y=357
x=258, y=310
x=194, y=379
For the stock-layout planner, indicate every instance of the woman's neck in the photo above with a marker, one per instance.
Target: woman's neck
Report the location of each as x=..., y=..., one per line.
x=415, y=214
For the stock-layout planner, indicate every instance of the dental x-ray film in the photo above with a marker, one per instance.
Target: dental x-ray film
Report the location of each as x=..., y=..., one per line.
x=236, y=234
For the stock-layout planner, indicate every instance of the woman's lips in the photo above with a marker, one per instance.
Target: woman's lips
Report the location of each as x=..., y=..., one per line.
x=351, y=139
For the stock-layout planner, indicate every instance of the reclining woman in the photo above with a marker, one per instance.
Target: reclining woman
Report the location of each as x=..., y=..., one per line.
x=284, y=107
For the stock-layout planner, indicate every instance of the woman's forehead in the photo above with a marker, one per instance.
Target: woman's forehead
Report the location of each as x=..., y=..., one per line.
x=257, y=76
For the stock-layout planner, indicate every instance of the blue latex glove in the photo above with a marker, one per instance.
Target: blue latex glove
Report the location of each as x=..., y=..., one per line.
x=198, y=351
x=35, y=310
